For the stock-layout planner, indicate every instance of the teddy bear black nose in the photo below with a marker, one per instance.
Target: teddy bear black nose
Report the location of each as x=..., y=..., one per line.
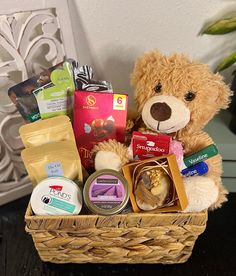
x=160, y=111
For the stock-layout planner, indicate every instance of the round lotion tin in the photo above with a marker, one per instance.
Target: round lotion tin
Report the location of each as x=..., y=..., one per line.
x=56, y=196
x=106, y=192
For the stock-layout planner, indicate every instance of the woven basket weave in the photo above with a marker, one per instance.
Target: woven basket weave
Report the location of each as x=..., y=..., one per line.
x=124, y=238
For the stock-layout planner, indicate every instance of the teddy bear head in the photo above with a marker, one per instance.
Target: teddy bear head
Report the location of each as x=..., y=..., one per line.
x=174, y=93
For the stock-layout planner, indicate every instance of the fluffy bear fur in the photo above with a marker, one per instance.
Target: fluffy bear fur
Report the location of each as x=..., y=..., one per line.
x=178, y=75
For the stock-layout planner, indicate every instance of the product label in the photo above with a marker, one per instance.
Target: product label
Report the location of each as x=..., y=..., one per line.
x=198, y=159
x=55, y=104
x=106, y=192
x=32, y=117
x=57, y=192
x=201, y=155
x=119, y=102
x=58, y=204
x=149, y=145
x=56, y=97
x=54, y=169
x=191, y=173
x=198, y=169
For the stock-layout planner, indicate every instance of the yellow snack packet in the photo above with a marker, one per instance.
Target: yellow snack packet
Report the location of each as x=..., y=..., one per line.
x=53, y=159
x=47, y=131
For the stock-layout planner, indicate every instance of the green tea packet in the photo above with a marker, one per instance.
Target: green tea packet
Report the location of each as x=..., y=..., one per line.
x=58, y=78
x=56, y=98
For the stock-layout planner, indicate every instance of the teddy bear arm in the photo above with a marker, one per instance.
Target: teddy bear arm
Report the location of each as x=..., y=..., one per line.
x=194, y=143
x=198, y=141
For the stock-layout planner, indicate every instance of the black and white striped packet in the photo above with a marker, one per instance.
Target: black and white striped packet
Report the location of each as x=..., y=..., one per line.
x=85, y=82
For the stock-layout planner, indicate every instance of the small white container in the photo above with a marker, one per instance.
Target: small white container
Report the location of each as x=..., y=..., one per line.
x=56, y=196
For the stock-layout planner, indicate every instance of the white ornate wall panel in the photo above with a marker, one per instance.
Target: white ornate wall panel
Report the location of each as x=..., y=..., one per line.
x=33, y=35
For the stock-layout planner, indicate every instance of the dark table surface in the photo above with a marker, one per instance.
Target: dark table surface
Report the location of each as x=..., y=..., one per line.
x=214, y=253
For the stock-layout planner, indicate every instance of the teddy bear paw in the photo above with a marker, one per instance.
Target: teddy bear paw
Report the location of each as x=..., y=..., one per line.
x=201, y=193
x=107, y=160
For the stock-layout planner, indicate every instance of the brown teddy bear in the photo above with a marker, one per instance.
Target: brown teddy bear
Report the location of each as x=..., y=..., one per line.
x=176, y=96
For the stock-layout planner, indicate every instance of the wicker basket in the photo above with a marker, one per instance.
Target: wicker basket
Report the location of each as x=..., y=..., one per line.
x=125, y=238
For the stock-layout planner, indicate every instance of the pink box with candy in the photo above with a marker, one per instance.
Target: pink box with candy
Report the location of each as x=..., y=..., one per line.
x=98, y=116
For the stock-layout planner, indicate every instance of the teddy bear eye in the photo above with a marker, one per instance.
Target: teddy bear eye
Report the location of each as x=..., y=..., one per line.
x=189, y=96
x=158, y=87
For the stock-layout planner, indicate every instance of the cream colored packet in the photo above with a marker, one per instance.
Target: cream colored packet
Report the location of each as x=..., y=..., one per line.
x=53, y=159
x=47, y=131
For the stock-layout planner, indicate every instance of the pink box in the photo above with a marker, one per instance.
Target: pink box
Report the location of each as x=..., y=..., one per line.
x=98, y=116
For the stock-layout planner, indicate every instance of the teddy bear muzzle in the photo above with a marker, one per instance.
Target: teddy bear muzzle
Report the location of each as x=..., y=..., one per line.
x=165, y=114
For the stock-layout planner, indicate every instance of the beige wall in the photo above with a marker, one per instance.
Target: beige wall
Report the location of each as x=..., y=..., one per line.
x=110, y=34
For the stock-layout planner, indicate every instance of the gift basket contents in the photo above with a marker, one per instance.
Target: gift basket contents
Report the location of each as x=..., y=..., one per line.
x=107, y=187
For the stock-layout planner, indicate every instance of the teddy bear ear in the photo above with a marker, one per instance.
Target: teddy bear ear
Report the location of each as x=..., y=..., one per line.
x=142, y=64
x=223, y=92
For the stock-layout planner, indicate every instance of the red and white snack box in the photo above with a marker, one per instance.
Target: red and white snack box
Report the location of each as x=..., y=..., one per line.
x=98, y=117
x=149, y=145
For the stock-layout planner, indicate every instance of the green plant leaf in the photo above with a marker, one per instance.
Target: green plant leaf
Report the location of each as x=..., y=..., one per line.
x=221, y=26
x=226, y=62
